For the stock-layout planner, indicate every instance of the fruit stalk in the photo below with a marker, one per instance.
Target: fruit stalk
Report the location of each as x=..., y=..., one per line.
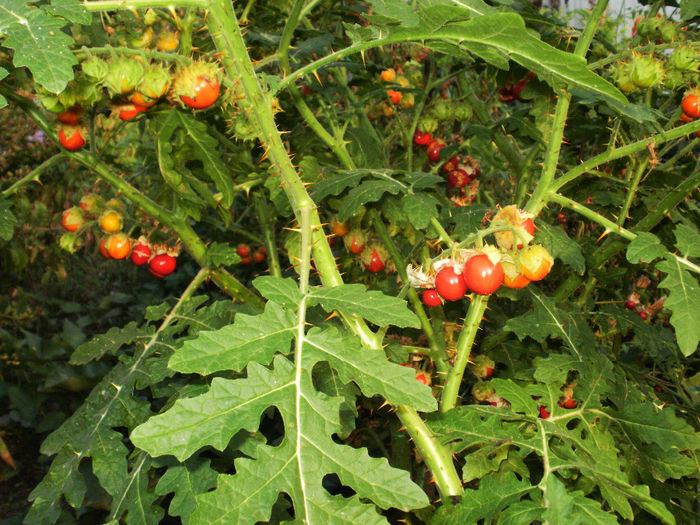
x=464, y=348
x=33, y=175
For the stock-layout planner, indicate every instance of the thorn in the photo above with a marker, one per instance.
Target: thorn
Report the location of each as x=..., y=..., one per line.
x=334, y=314
x=318, y=79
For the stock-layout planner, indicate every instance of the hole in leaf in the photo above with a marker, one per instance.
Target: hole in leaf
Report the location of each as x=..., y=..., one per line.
x=331, y=482
x=272, y=426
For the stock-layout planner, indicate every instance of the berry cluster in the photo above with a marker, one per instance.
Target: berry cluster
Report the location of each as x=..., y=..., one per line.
x=514, y=263
x=132, y=88
x=247, y=255
x=115, y=244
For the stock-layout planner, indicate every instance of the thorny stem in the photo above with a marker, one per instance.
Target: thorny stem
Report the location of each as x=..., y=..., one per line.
x=33, y=175
x=556, y=136
x=464, y=348
x=224, y=29
x=632, y=190
x=334, y=143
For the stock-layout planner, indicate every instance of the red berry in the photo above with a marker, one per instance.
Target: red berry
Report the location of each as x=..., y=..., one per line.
x=482, y=276
x=421, y=139
x=489, y=372
x=450, y=165
x=243, y=250
x=630, y=304
x=140, y=254
x=568, y=403
x=450, y=285
x=375, y=264
x=543, y=412
x=431, y=298
x=458, y=178
x=162, y=265
x=433, y=149
x=205, y=93
x=74, y=141
x=422, y=378
x=691, y=105
x=642, y=314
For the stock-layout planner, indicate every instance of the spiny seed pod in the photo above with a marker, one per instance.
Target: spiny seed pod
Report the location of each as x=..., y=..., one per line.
x=684, y=59
x=428, y=124
x=621, y=75
x=155, y=82
x=668, y=31
x=442, y=110
x=675, y=80
x=197, y=85
x=95, y=68
x=646, y=71
x=123, y=76
x=463, y=111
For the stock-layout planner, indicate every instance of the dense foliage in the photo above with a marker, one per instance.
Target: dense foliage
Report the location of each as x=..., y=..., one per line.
x=349, y=262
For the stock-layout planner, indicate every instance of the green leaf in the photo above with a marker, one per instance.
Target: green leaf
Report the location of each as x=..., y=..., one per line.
x=506, y=34
x=222, y=254
x=3, y=103
x=336, y=183
x=494, y=494
x=372, y=305
x=203, y=147
x=684, y=303
x=365, y=147
x=525, y=511
x=39, y=43
x=368, y=368
x=195, y=476
x=284, y=292
x=689, y=9
x=108, y=343
x=645, y=248
x=546, y=320
x=574, y=508
x=646, y=424
x=251, y=338
x=420, y=209
x=687, y=240
x=8, y=221
x=561, y=246
x=368, y=191
x=296, y=466
x=468, y=219
x=520, y=400
x=72, y=10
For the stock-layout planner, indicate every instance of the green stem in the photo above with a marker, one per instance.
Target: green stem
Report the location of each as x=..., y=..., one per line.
x=186, y=32
x=631, y=191
x=625, y=151
x=336, y=144
x=267, y=225
x=114, y=5
x=147, y=54
x=590, y=214
x=33, y=175
x=438, y=351
x=436, y=455
x=556, y=136
x=464, y=348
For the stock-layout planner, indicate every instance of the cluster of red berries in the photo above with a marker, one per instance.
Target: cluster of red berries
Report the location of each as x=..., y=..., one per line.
x=248, y=256
x=483, y=271
x=133, y=89
x=116, y=244
x=461, y=171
